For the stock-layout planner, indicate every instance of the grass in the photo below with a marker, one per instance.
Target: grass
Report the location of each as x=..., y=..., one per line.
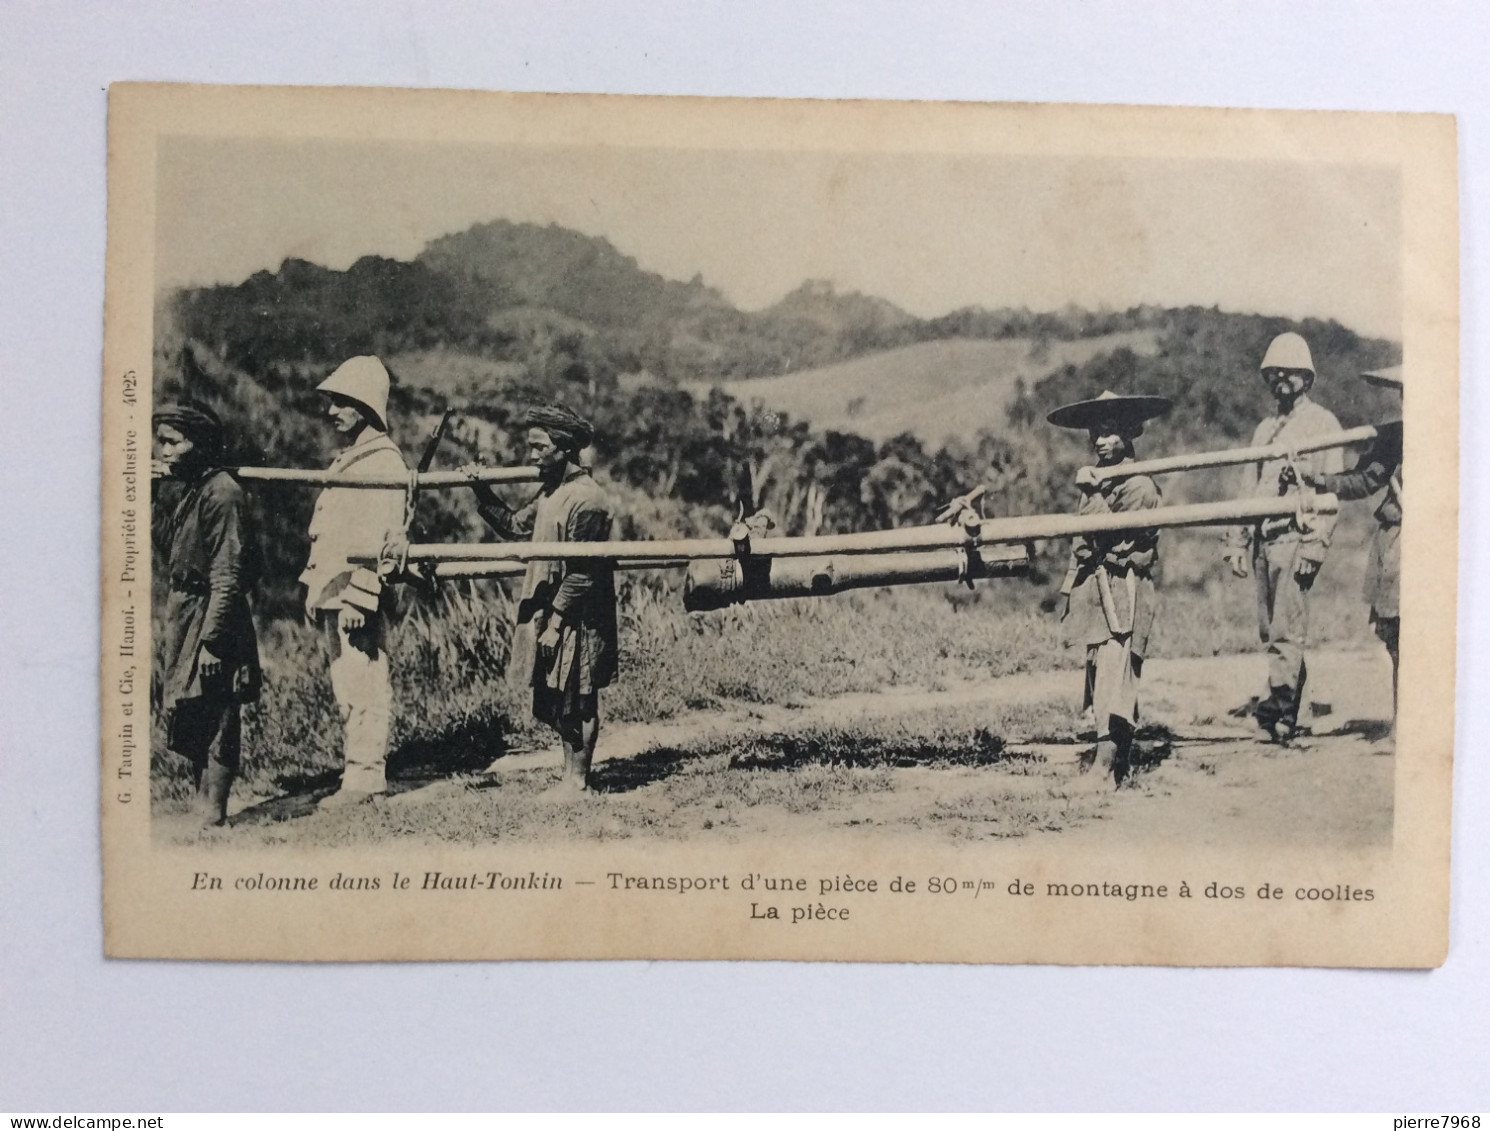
x=457, y=710
x=937, y=389
x=853, y=774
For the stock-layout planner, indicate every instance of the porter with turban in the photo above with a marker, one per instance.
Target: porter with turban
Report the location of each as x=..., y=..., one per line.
x=210, y=555
x=571, y=605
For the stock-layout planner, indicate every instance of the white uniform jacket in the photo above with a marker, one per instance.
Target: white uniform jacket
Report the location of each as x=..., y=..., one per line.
x=352, y=521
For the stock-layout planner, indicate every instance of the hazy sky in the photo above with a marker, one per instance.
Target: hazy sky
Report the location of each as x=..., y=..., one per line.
x=929, y=232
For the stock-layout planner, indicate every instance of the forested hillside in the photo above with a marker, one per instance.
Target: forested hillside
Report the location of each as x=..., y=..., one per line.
x=494, y=318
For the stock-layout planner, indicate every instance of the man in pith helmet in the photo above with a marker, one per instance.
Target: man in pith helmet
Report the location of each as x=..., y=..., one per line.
x=1379, y=469
x=571, y=604
x=211, y=558
x=1286, y=553
x=1109, y=587
x=344, y=599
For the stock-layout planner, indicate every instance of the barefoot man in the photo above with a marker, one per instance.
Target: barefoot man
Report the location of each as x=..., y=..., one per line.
x=211, y=557
x=1109, y=587
x=571, y=604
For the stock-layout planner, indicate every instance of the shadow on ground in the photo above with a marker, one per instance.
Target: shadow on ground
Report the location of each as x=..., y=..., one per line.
x=464, y=749
x=1372, y=730
x=468, y=747
x=787, y=752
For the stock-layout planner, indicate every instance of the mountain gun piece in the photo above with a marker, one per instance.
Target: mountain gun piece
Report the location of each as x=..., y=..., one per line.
x=717, y=583
x=1007, y=530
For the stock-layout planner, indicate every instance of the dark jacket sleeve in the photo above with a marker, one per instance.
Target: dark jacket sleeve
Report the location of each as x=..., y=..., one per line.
x=589, y=523
x=226, y=550
x=164, y=497
x=509, y=525
x=1368, y=476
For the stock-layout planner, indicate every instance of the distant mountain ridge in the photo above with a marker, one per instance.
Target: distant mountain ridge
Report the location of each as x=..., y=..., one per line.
x=556, y=312
x=835, y=411
x=485, y=290
x=503, y=264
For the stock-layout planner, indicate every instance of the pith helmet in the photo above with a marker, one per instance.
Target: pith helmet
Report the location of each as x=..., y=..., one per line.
x=1391, y=377
x=1126, y=412
x=364, y=380
x=1288, y=351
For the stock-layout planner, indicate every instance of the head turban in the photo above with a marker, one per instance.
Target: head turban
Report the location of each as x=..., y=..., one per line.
x=195, y=421
x=565, y=427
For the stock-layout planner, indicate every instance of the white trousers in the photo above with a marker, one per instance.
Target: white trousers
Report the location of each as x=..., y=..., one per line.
x=363, y=688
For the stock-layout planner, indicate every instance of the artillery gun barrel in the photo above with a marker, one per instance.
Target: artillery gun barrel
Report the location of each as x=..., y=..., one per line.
x=1019, y=528
x=311, y=477
x=1230, y=457
x=715, y=583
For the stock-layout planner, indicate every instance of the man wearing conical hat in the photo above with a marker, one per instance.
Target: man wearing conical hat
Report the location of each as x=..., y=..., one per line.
x=1379, y=469
x=1285, y=554
x=1109, y=586
x=345, y=600
x=571, y=604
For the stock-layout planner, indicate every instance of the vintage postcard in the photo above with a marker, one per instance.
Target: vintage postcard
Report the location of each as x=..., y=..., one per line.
x=603, y=527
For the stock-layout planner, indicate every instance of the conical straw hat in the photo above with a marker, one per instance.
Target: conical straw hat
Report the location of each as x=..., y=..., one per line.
x=1131, y=411
x=1391, y=377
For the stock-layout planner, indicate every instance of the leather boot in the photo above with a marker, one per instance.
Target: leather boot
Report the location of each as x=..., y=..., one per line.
x=1122, y=760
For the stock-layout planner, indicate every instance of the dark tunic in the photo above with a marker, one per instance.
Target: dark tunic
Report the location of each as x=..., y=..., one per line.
x=1121, y=555
x=211, y=559
x=1380, y=469
x=1116, y=630
x=580, y=593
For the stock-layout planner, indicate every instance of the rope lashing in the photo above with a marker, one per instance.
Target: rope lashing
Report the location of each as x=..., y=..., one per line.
x=411, y=493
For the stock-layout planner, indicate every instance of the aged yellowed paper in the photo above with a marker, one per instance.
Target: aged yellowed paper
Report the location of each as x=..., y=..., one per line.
x=839, y=677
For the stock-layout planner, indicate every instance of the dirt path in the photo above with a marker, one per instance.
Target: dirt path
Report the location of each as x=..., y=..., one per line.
x=1219, y=782
x=978, y=760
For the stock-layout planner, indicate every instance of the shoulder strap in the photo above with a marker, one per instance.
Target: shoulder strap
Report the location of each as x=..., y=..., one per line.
x=377, y=446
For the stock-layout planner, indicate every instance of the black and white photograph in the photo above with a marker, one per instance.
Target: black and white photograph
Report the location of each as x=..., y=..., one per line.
x=776, y=530
x=944, y=675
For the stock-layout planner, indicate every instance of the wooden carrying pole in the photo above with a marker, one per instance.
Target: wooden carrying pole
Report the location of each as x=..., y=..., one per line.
x=476, y=570
x=1023, y=528
x=307, y=477
x=1233, y=456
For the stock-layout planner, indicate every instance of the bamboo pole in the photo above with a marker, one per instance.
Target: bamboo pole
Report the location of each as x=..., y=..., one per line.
x=477, y=570
x=310, y=477
x=1022, y=528
x=1230, y=457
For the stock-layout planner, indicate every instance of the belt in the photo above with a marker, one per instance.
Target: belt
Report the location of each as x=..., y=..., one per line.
x=1276, y=529
x=1109, y=606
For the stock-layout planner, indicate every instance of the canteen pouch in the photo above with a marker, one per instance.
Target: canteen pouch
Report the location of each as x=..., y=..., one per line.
x=364, y=590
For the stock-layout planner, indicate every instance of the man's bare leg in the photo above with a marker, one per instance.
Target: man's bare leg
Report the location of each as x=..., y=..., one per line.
x=579, y=736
